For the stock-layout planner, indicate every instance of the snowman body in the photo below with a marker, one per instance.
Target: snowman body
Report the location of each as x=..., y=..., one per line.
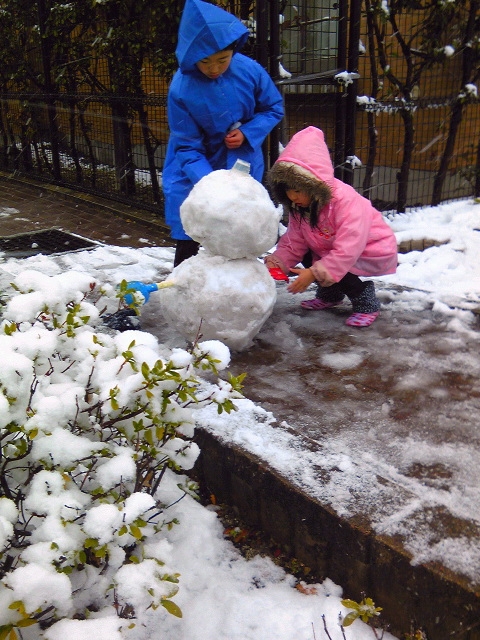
x=224, y=293
x=219, y=299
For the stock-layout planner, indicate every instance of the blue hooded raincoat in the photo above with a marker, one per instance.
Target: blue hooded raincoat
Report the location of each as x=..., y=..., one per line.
x=201, y=111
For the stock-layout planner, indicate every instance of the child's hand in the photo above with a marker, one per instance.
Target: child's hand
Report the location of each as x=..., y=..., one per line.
x=322, y=275
x=302, y=282
x=234, y=139
x=272, y=262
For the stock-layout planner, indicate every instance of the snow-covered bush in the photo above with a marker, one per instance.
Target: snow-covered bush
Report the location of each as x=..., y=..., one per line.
x=90, y=423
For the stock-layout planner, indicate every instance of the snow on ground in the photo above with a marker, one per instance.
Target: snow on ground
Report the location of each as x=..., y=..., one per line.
x=222, y=595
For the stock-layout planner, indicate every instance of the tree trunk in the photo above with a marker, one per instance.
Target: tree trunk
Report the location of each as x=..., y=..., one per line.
x=371, y=155
x=45, y=43
x=408, y=146
x=73, y=144
x=455, y=120
x=477, y=173
x=123, y=153
x=86, y=136
x=142, y=114
x=468, y=65
x=372, y=130
x=3, y=131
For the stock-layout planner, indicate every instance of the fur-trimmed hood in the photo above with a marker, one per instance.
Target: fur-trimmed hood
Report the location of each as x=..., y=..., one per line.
x=304, y=165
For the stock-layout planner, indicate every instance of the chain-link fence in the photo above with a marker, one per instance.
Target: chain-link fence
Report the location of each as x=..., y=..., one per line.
x=401, y=116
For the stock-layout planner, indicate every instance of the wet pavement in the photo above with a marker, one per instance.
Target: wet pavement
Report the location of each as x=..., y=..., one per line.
x=392, y=410
x=388, y=421
x=44, y=206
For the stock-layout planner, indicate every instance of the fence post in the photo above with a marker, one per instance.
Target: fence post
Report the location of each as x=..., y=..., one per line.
x=262, y=51
x=274, y=71
x=352, y=88
x=340, y=106
x=261, y=48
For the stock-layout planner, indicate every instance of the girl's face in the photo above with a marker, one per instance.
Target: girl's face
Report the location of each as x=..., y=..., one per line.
x=216, y=64
x=298, y=198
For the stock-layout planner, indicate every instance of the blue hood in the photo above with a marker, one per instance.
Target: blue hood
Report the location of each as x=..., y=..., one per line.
x=204, y=30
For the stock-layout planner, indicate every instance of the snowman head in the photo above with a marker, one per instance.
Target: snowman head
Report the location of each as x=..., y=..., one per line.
x=231, y=214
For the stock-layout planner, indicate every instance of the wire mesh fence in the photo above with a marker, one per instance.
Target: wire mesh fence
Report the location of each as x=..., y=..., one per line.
x=109, y=145
x=401, y=114
x=402, y=122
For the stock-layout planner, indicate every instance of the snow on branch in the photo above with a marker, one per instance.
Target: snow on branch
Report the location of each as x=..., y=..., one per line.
x=95, y=428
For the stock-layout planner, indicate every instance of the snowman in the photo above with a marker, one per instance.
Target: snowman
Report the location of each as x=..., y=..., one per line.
x=224, y=292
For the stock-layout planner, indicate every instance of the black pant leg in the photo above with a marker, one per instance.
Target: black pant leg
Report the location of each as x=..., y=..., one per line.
x=351, y=285
x=185, y=249
x=307, y=260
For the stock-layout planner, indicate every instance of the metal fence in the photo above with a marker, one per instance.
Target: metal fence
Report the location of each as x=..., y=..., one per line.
x=402, y=145
x=107, y=145
x=401, y=114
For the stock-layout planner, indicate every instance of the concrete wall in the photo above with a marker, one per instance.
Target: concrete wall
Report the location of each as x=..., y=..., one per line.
x=346, y=551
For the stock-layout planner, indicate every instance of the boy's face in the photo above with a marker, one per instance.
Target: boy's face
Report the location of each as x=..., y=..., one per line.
x=298, y=198
x=216, y=64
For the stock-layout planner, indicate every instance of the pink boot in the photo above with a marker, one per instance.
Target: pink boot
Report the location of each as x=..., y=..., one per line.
x=365, y=307
x=362, y=319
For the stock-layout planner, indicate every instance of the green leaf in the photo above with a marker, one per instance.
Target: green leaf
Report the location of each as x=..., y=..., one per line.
x=349, y=618
x=90, y=543
x=26, y=622
x=140, y=522
x=172, y=608
x=136, y=532
x=350, y=604
x=5, y=631
x=172, y=578
x=9, y=329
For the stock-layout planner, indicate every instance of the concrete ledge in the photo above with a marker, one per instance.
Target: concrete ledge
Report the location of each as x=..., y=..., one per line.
x=347, y=551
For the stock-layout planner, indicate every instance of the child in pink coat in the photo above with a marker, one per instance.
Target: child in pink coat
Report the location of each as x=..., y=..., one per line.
x=346, y=236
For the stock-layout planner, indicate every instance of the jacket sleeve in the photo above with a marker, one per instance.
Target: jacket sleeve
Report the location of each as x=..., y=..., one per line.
x=352, y=219
x=187, y=140
x=268, y=110
x=292, y=246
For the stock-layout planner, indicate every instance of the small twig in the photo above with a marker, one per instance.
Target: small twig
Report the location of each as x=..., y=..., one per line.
x=325, y=627
x=69, y=366
x=342, y=627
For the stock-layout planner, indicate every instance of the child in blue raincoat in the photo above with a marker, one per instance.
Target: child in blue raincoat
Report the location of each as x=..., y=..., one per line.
x=221, y=107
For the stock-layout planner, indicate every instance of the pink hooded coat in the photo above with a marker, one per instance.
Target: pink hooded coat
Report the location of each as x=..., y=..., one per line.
x=351, y=235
